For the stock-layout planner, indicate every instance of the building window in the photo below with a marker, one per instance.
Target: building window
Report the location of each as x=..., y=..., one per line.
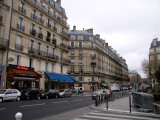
x=40, y=30
x=72, y=61
x=80, y=44
x=91, y=38
x=47, y=50
x=155, y=44
x=32, y=26
x=72, y=52
x=154, y=50
x=52, y=67
x=30, y=62
x=61, y=68
x=80, y=70
x=22, y=5
x=80, y=78
x=0, y=11
x=72, y=37
x=80, y=37
x=38, y=65
x=80, y=52
x=72, y=69
x=80, y=60
x=72, y=44
x=17, y=60
x=53, y=51
x=20, y=21
x=31, y=44
x=19, y=40
x=46, y=69
x=91, y=45
x=39, y=46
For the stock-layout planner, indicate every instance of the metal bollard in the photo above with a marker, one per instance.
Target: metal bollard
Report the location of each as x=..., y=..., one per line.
x=18, y=116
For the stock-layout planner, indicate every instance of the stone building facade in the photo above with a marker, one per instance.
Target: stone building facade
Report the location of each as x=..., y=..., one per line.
x=36, y=33
x=93, y=62
x=154, y=59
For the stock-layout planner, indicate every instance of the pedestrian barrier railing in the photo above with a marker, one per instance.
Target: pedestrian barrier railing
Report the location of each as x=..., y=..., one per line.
x=143, y=100
x=99, y=99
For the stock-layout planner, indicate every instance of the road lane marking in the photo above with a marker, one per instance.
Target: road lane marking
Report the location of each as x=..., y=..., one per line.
x=2, y=108
x=60, y=102
x=88, y=98
x=32, y=105
x=78, y=100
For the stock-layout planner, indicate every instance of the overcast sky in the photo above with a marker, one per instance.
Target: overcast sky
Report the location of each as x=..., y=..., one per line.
x=127, y=25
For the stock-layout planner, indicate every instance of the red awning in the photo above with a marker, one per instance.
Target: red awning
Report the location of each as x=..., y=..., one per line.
x=11, y=73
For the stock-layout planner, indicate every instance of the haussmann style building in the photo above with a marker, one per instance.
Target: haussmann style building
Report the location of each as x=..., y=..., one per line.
x=34, y=44
x=93, y=63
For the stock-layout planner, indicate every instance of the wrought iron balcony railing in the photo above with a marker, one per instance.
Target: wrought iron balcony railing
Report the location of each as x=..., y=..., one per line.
x=65, y=60
x=20, y=27
x=33, y=16
x=22, y=10
x=43, y=54
x=62, y=45
x=40, y=35
x=18, y=47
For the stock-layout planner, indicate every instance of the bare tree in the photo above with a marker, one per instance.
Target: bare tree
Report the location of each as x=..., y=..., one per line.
x=146, y=67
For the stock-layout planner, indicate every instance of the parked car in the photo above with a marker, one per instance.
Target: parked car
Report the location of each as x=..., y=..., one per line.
x=96, y=93
x=65, y=93
x=9, y=94
x=32, y=93
x=49, y=94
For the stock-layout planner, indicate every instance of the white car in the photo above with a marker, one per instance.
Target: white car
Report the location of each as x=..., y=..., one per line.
x=9, y=94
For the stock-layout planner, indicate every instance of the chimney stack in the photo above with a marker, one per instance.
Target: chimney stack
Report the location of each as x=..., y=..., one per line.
x=98, y=36
x=59, y=2
x=74, y=28
x=90, y=30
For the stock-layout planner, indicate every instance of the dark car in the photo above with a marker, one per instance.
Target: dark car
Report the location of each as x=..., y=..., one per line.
x=49, y=94
x=32, y=93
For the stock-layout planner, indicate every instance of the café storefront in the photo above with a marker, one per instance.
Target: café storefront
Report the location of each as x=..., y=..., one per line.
x=21, y=77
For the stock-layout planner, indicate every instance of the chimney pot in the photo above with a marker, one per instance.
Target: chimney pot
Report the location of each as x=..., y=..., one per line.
x=59, y=2
x=74, y=28
x=98, y=36
x=90, y=30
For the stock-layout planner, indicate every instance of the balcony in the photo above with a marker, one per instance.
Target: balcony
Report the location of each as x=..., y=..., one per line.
x=48, y=39
x=20, y=27
x=33, y=32
x=48, y=25
x=54, y=41
x=40, y=36
x=3, y=44
x=93, y=56
x=40, y=20
x=93, y=63
x=54, y=28
x=47, y=11
x=42, y=55
x=18, y=47
x=65, y=61
x=64, y=46
x=22, y=10
x=65, y=34
x=33, y=16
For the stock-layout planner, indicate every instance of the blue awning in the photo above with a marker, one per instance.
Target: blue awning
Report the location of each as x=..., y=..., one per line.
x=60, y=77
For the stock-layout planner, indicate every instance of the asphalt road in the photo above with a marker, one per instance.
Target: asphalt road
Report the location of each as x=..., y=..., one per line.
x=39, y=109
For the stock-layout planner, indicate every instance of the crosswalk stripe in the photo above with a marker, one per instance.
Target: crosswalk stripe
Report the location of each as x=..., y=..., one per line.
x=98, y=115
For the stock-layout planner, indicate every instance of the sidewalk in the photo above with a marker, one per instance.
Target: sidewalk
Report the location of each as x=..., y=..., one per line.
x=119, y=105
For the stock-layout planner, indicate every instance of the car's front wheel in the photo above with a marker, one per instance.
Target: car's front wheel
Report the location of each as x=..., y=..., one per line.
x=1, y=100
x=18, y=99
